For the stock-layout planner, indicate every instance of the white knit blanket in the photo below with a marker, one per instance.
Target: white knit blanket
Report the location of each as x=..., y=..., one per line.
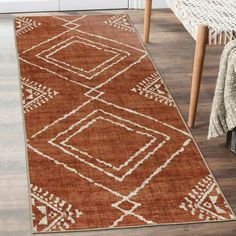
x=223, y=114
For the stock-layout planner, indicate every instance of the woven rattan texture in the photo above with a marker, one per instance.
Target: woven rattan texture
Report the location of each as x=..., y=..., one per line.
x=219, y=15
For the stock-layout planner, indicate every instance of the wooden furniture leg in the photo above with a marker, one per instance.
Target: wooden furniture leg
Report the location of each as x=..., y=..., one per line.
x=147, y=19
x=200, y=50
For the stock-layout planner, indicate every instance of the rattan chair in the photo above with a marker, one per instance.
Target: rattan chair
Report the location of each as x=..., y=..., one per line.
x=210, y=22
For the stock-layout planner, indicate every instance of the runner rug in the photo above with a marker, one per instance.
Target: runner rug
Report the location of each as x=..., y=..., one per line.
x=107, y=147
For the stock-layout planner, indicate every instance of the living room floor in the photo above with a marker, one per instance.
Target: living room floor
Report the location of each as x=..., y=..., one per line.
x=172, y=49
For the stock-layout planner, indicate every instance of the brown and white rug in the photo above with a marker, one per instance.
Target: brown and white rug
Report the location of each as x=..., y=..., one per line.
x=106, y=144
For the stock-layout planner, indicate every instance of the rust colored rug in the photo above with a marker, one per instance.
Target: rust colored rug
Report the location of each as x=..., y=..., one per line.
x=107, y=146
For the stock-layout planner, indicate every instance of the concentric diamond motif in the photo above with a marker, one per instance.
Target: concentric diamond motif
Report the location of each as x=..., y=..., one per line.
x=80, y=140
x=84, y=58
x=86, y=138
x=83, y=63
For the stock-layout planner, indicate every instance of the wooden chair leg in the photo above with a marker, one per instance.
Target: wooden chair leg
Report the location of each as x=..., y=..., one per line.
x=200, y=50
x=147, y=19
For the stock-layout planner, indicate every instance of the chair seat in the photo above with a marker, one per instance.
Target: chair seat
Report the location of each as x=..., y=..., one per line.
x=218, y=15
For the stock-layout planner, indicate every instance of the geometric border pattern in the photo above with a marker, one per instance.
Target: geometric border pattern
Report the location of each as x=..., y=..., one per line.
x=197, y=202
x=62, y=215
x=39, y=94
x=150, y=88
x=120, y=22
x=25, y=24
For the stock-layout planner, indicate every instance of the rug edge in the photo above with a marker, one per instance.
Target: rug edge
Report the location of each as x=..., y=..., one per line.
x=24, y=127
x=136, y=227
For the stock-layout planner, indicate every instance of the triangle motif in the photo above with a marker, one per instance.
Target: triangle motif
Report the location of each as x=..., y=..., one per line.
x=24, y=25
x=35, y=94
x=50, y=213
x=206, y=201
x=153, y=88
x=120, y=22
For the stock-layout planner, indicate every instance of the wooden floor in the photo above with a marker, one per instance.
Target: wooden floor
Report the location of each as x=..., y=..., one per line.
x=172, y=49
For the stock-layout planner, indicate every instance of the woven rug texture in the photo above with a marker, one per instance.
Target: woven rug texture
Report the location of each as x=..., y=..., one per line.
x=106, y=144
